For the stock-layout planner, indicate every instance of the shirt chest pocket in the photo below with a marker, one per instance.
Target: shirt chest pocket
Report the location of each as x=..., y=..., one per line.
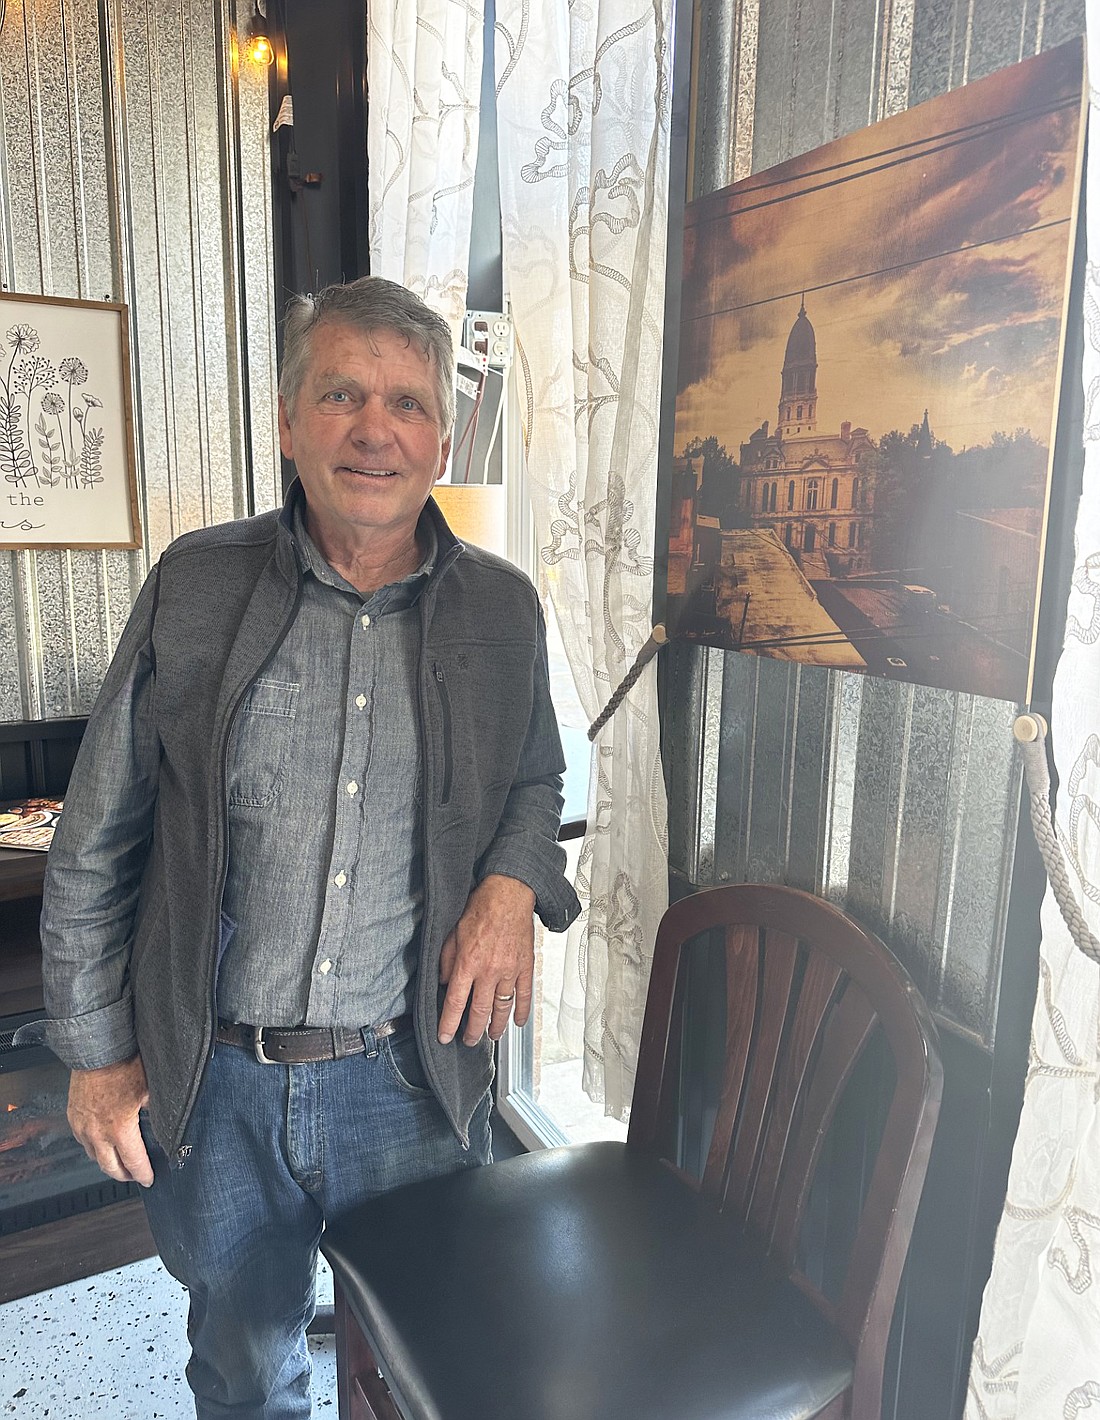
x=261, y=743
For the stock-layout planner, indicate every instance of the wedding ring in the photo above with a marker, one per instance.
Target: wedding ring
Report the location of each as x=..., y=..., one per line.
x=510, y=997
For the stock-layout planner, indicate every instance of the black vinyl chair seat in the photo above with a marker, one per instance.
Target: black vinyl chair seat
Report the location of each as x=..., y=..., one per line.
x=588, y=1283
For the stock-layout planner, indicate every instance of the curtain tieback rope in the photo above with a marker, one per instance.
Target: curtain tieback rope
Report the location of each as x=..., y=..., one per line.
x=658, y=637
x=1031, y=734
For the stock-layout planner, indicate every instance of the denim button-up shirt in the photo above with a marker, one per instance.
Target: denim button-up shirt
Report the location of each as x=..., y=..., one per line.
x=325, y=882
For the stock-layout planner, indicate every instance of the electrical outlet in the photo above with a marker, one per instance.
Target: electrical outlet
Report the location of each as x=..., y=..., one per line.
x=489, y=333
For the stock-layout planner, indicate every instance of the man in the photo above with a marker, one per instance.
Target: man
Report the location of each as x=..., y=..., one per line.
x=289, y=905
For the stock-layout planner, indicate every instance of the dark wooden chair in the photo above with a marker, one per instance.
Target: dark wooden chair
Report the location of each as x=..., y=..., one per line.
x=600, y=1282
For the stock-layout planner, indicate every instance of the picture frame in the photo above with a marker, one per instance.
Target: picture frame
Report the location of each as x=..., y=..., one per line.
x=68, y=474
x=866, y=374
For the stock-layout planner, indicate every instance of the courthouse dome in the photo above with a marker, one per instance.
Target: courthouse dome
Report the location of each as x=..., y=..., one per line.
x=802, y=342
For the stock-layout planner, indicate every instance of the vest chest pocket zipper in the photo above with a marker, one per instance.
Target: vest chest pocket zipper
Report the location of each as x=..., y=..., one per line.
x=445, y=711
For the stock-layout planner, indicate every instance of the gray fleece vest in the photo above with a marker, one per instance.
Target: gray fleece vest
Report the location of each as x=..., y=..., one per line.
x=214, y=612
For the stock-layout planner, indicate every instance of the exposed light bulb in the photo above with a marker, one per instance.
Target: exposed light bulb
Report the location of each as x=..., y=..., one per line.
x=261, y=50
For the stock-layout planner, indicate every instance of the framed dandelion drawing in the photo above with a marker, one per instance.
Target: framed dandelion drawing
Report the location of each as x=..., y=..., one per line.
x=67, y=476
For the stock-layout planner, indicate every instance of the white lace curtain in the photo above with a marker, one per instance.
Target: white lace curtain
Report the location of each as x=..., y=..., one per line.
x=583, y=130
x=1037, y=1355
x=583, y=125
x=424, y=104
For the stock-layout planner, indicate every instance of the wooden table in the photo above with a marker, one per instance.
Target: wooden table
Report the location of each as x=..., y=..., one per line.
x=21, y=873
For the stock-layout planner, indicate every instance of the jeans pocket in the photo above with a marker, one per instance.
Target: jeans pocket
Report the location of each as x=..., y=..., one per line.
x=402, y=1060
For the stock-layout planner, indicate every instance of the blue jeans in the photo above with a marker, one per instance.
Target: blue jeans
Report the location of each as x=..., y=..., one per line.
x=271, y=1153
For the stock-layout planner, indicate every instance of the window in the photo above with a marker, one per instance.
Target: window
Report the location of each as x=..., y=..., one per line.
x=788, y=534
x=539, y=1092
x=790, y=495
x=775, y=491
x=832, y=534
x=809, y=538
x=811, y=495
x=855, y=492
x=851, y=534
x=799, y=414
x=834, y=492
x=539, y=1083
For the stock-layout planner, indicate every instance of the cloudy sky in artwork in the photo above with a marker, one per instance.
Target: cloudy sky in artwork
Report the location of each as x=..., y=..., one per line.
x=933, y=252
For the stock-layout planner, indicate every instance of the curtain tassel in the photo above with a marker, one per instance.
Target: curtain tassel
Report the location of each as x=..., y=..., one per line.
x=1031, y=734
x=658, y=637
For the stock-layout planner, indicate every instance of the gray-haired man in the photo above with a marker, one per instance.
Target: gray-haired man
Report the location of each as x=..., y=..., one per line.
x=315, y=808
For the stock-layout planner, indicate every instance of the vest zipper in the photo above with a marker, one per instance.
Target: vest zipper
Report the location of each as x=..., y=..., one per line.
x=445, y=707
x=212, y=984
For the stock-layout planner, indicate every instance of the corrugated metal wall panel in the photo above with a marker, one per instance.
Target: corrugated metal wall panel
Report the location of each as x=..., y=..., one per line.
x=136, y=169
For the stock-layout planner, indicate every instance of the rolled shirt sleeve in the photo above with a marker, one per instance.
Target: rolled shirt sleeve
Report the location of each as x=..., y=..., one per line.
x=526, y=843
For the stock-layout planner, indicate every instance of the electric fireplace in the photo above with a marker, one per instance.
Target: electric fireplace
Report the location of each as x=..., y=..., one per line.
x=44, y=1173
x=60, y=1218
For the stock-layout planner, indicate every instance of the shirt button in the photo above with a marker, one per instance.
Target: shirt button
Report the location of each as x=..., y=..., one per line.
x=360, y=700
x=366, y=619
x=325, y=967
x=353, y=787
x=340, y=879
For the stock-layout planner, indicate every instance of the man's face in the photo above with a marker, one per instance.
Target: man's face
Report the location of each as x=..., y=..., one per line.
x=366, y=434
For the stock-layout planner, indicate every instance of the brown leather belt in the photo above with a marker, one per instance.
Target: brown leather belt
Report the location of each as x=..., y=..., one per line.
x=305, y=1045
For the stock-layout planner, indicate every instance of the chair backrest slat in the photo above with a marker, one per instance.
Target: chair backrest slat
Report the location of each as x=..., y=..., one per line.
x=779, y=964
x=847, y=1032
x=742, y=980
x=810, y=1006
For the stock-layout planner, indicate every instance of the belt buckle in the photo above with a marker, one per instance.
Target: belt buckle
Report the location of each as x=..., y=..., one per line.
x=258, y=1046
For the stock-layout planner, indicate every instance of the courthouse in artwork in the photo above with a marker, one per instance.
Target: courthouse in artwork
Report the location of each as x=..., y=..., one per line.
x=811, y=486
x=867, y=389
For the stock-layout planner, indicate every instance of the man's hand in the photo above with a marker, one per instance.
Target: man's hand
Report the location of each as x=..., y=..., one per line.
x=103, y=1114
x=489, y=960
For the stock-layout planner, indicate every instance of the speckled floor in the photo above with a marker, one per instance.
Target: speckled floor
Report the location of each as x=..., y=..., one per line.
x=114, y=1346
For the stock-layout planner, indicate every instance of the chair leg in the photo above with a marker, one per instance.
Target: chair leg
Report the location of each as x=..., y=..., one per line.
x=322, y=1323
x=361, y=1392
